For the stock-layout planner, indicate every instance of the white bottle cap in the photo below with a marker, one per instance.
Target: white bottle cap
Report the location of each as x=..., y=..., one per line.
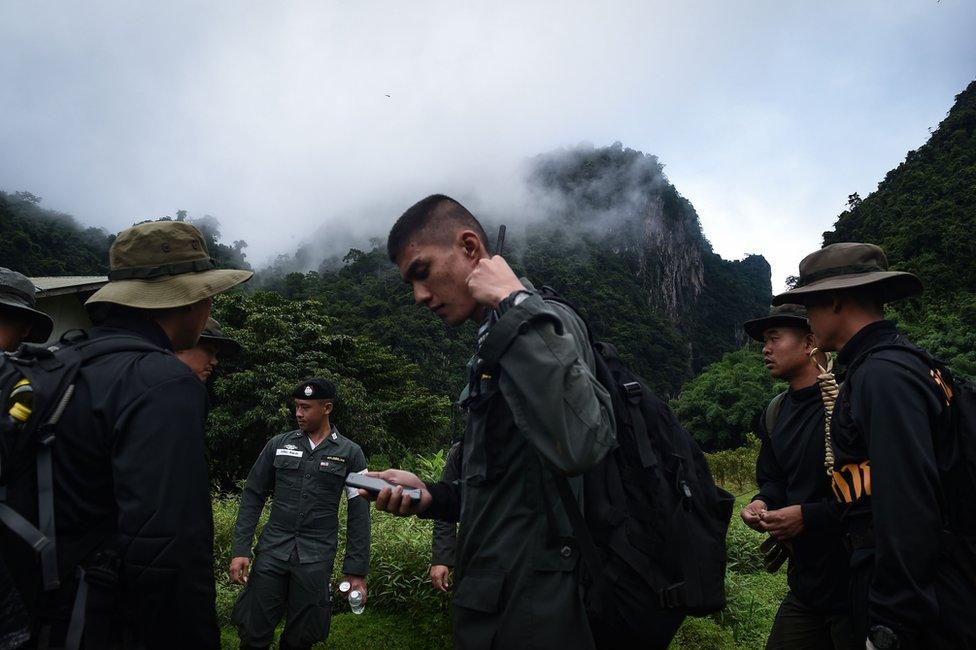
x=344, y=586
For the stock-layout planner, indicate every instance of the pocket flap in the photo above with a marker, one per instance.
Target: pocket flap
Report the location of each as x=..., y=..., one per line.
x=287, y=462
x=479, y=592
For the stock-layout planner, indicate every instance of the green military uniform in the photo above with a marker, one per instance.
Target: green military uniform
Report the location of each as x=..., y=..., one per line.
x=536, y=409
x=294, y=556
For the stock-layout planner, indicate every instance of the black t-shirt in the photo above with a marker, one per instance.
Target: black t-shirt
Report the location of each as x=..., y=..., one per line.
x=790, y=471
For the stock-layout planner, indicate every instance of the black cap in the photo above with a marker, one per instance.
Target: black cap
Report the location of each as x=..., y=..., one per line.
x=315, y=389
x=788, y=314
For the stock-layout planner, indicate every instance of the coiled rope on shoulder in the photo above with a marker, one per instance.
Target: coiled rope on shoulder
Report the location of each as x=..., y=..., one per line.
x=829, y=389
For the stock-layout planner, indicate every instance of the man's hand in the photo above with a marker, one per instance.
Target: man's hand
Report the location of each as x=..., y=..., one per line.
x=392, y=501
x=238, y=569
x=356, y=583
x=440, y=577
x=785, y=523
x=751, y=515
x=493, y=280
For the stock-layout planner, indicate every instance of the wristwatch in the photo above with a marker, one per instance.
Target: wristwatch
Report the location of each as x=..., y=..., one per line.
x=883, y=638
x=513, y=299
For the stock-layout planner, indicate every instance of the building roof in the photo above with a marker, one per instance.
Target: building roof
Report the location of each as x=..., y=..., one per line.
x=56, y=286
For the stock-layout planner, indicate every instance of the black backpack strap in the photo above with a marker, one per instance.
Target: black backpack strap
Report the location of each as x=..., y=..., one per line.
x=895, y=345
x=771, y=414
x=20, y=526
x=584, y=538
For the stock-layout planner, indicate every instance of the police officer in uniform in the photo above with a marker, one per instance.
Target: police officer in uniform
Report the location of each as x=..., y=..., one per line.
x=306, y=470
x=912, y=583
x=794, y=504
x=535, y=410
x=203, y=358
x=20, y=320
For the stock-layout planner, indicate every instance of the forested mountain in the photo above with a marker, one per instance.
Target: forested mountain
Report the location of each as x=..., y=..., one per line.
x=609, y=233
x=924, y=215
x=612, y=235
x=37, y=242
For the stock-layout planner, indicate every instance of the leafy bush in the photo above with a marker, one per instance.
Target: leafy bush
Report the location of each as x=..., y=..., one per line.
x=285, y=341
x=718, y=406
x=735, y=469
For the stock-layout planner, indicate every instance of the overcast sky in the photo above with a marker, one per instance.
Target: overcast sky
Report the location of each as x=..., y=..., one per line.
x=281, y=117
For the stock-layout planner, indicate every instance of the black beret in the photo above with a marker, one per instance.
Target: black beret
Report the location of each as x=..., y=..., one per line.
x=315, y=389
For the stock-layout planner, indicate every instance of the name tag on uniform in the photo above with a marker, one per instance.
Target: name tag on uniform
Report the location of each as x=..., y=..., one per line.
x=297, y=453
x=337, y=459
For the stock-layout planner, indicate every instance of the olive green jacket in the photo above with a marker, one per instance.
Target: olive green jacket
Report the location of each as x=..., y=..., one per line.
x=307, y=486
x=536, y=410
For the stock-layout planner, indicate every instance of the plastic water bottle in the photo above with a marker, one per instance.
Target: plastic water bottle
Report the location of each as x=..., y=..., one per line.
x=356, y=603
x=355, y=598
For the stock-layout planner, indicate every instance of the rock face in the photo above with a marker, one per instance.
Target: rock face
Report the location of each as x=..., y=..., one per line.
x=621, y=198
x=670, y=262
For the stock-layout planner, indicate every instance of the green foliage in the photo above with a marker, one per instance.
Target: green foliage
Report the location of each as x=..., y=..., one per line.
x=428, y=467
x=366, y=297
x=922, y=215
x=38, y=242
x=735, y=469
x=944, y=327
x=719, y=405
x=381, y=405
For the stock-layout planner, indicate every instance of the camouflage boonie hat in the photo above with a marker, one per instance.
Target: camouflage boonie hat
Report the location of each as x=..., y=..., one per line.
x=213, y=335
x=850, y=265
x=17, y=295
x=788, y=315
x=163, y=264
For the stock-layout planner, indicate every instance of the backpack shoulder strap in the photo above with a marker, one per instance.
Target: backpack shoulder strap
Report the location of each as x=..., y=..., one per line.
x=551, y=295
x=897, y=344
x=771, y=414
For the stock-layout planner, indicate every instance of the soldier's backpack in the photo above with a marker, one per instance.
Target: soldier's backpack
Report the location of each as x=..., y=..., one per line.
x=36, y=385
x=960, y=420
x=653, y=534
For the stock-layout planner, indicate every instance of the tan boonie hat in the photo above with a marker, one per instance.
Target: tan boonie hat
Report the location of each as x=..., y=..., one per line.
x=213, y=335
x=848, y=265
x=163, y=264
x=788, y=315
x=17, y=295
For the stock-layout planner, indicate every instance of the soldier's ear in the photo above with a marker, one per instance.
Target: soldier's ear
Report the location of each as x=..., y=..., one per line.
x=472, y=244
x=810, y=342
x=328, y=406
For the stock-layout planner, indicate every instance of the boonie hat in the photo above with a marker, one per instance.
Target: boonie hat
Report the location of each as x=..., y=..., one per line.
x=17, y=294
x=848, y=265
x=163, y=264
x=213, y=335
x=315, y=389
x=789, y=315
